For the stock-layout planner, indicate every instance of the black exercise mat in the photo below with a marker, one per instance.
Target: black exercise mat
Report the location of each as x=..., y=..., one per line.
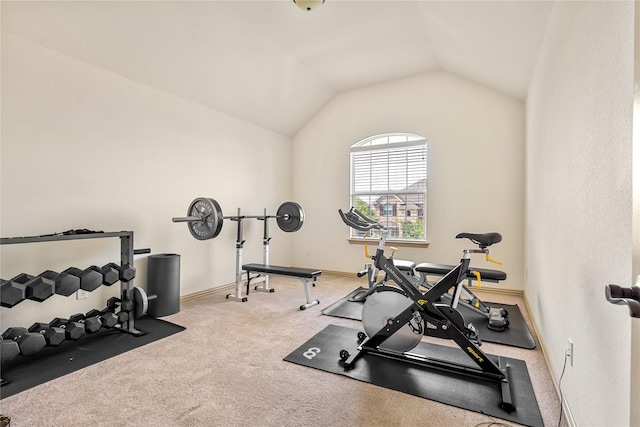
x=322, y=352
x=24, y=373
x=345, y=308
x=516, y=335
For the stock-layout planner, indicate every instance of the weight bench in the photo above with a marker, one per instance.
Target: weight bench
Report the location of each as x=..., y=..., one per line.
x=307, y=277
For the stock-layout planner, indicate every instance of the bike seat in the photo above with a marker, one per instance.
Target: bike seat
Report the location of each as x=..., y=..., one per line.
x=482, y=239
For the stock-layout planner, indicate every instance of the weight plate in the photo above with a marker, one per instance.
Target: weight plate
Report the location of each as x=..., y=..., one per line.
x=290, y=217
x=141, y=300
x=211, y=218
x=384, y=305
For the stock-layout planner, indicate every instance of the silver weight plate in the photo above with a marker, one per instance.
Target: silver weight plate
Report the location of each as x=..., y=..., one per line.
x=211, y=218
x=141, y=302
x=382, y=306
x=290, y=217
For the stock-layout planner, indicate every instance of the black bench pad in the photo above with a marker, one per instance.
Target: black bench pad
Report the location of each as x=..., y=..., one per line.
x=442, y=269
x=305, y=273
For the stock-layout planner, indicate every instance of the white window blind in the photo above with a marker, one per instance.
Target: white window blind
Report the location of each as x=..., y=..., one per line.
x=389, y=183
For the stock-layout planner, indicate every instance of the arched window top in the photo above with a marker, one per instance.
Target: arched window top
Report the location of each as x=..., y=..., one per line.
x=387, y=139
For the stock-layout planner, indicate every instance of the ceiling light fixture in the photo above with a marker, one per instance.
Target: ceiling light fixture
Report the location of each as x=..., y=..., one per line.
x=308, y=5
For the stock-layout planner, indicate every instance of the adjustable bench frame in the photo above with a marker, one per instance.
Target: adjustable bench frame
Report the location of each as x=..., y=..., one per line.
x=307, y=276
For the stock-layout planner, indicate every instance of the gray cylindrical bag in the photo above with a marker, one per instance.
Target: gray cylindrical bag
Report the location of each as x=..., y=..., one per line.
x=163, y=280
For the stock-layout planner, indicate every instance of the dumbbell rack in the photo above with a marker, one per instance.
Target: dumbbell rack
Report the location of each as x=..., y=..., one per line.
x=126, y=259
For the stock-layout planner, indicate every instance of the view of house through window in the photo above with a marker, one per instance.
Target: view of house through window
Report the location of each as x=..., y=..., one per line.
x=389, y=184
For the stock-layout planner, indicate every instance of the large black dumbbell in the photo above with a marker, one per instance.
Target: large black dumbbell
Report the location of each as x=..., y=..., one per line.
x=53, y=336
x=29, y=343
x=9, y=350
x=72, y=330
x=108, y=319
x=91, y=324
x=36, y=288
x=90, y=279
x=11, y=293
x=66, y=284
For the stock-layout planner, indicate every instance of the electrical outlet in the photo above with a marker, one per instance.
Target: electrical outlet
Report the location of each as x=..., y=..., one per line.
x=570, y=352
x=82, y=294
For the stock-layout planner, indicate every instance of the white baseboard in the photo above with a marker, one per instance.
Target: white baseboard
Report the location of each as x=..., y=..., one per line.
x=567, y=415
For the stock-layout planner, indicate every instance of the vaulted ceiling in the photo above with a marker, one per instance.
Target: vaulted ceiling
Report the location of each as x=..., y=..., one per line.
x=273, y=65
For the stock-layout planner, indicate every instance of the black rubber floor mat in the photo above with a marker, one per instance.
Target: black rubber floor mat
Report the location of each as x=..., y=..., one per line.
x=323, y=349
x=26, y=372
x=516, y=335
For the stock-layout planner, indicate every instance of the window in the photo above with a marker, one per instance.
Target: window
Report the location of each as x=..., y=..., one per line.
x=389, y=184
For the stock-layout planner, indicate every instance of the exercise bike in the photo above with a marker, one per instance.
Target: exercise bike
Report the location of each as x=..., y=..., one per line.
x=497, y=317
x=394, y=318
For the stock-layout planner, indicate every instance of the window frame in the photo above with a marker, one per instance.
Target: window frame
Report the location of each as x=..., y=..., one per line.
x=393, y=145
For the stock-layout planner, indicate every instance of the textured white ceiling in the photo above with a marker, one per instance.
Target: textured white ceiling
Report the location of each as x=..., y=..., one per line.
x=271, y=64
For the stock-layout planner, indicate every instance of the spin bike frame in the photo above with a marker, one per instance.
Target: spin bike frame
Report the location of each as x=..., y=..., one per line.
x=422, y=304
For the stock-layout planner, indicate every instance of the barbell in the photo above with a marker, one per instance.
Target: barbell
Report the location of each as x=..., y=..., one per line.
x=204, y=218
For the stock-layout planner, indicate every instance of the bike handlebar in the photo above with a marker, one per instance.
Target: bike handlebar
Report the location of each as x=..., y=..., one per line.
x=357, y=220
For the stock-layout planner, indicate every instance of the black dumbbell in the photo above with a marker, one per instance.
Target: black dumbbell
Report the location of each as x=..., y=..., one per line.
x=53, y=336
x=123, y=315
x=9, y=350
x=29, y=343
x=107, y=318
x=113, y=303
x=90, y=279
x=127, y=273
x=91, y=324
x=36, y=288
x=139, y=306
x=72, y=330
x=110, y=273
x=66, y=284
x=11, y=293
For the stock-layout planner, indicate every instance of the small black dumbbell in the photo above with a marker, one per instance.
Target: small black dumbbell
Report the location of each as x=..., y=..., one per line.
x=127, y=273
x=91, y=324
x=72, y=330
x=107, y=318
x=127, y=305
x=123, y=316
x=53, y=336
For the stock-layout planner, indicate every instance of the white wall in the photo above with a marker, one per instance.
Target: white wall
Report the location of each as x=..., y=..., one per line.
x=475, y=169
x=579, y=202
x=85, y=148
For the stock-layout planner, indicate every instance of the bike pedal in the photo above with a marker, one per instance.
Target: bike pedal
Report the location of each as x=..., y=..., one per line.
x=472, y=334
